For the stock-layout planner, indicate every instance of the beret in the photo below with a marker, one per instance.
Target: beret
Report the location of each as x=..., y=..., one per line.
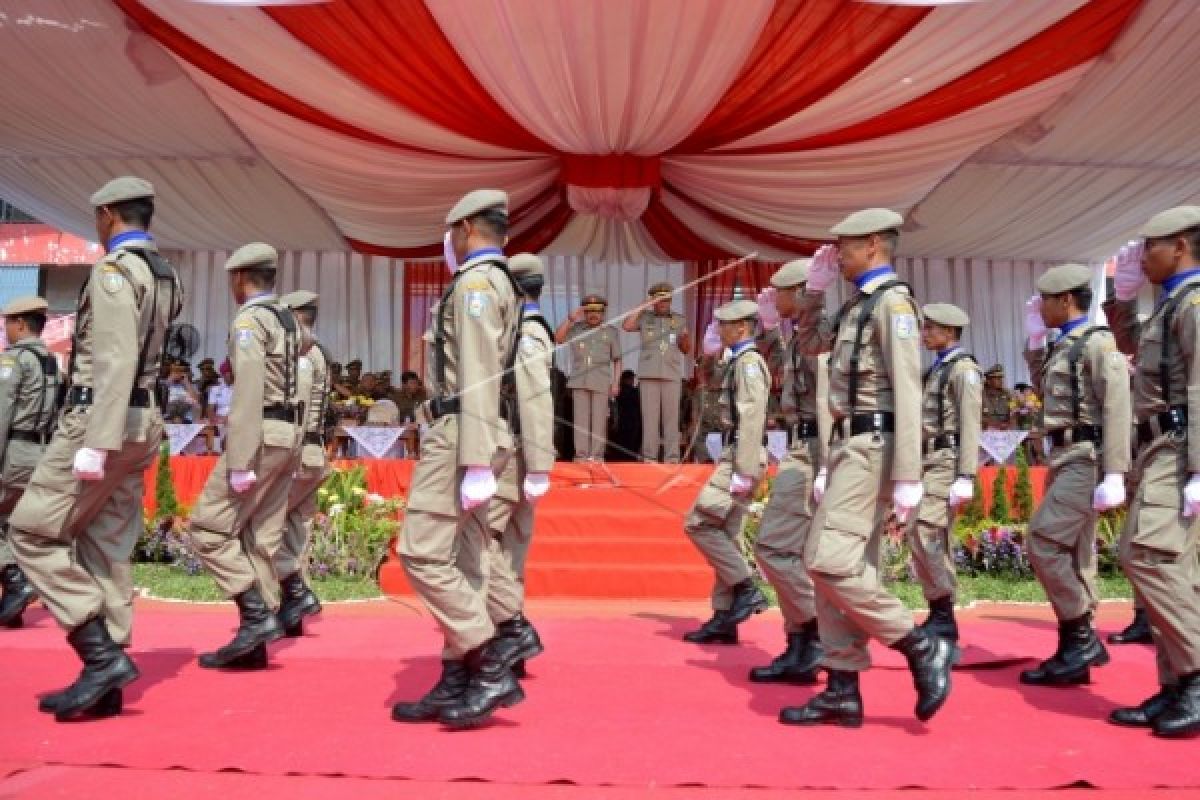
x=477, y=202
x=299, y=299
x=1171, y=221
x=946, y=314
x=255, y=254
x=793, y=273
x=523, y=264
x=868, y=221
x=25, y=305
x=118, y=190
x=1064, y=278
x=737, y=310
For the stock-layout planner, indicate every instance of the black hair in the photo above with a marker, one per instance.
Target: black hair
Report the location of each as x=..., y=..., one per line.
x=1083, y=297
x=495, y=220
x=306, y=314
x=408, y=375
x=136, y=212
x=262, y=277
x=531, y=285
x=34, y=320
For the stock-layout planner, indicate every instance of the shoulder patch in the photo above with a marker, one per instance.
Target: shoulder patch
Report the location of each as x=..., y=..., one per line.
x=475, y=302
x=528, y=345
x=752, y=370
x=111, y=279
x=904, y=326
x=972, y=377
x=304, y=364
x=244, y=336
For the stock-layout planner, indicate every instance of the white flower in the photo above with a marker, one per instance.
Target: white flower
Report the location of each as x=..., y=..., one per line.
x=374, y=499
x=756, y=507
x=335, y=509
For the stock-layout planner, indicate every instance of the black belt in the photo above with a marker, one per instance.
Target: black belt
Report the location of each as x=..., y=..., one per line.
x=946, y=441
x=875, y=422
x=443, y=406
x=804, y=429
x=1174, y=420
x=314, y=438
x=37, y=437
x=282, y=413
x=1080, y=433
x=85, y=396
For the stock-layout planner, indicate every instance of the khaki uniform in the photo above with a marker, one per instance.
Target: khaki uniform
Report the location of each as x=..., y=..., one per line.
x=997, y=409
x=1158, y=549
x=593, y=351
x=441, y=546
x=772, y=348
x=1062, y=533
x=73, y=538
x=660, y=382
x=954, y=412
x=714, y=523
x=238, y=536
x=706, y=405
x=844, y=542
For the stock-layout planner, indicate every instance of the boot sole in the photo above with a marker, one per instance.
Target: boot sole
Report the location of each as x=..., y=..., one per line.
x=1138, y=640
x=229, y=661
x=841, y=723
x=805, y=679
x=1190, y=733
x=72, y=712
x=466, y=723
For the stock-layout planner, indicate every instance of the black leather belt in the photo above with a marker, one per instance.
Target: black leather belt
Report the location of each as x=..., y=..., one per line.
x=875, y=422
x=36, y=437
x=442, y=406
x=1174, y=420
x=804, y=429
x=1080, y=433
x=314, y=438
x=85, y=396
x=281, y=413
x=946, y=441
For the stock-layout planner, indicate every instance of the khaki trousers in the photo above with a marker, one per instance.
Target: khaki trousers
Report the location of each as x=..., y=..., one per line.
x=1158, y=552
x=511, y=528
x=74, y=539
x=590, y=413
x=1062, y=533
x=714, y=525
x=660, y=405
x=297, y=528
x=843, y=554
x=20, y=460
x=783, y=533
x=929, y=529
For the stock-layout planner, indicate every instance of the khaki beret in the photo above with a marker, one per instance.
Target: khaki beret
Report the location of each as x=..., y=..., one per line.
x=299, y=299
x=1171, y=221
x=594, y=302
x=946, y=314
x=1064, y=278
x=523, y=264
x=793, y=273
x=868, y=221
x=737, y=310
x=25, y=305
x=477, y=202
x=995, y=371
x=660, y=290
x=118, y=190
x=255, y=254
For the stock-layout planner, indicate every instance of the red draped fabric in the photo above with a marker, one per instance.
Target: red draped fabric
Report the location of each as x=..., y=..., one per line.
x=424, y=282
x=720, y=280
x=782, y=241
x=677, y=240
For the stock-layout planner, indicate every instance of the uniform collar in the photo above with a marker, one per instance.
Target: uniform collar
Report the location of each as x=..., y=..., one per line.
x=867, y=282
x=259, y=299
x=531, y=308
x=1178, y=279
x=127, y=238
x=944, y=354
x=741, y=347
x=1070, y=325
x=482, y=254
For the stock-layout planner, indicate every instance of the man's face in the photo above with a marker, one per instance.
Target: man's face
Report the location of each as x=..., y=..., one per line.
x=105, y=221
x=177, y=374
x=1056, y=309
x=412, y=385
x=368, y=385
x=593, y=318
x=1161, y=257
x=935, y=337
x=354, y=371
x=855, y=254
x=13, y=329
x=995, y=381
x=663, y=306
x=733, y=332
x=785, y=301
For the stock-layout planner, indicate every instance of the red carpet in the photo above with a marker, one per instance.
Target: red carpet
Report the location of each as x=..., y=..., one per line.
x=616, y=701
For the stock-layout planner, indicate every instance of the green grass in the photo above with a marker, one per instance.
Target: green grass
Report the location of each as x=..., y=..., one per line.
x=161, y=580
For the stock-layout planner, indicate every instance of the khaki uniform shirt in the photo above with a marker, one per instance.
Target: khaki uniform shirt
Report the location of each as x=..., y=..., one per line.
x=706, y=403
x=312, y=388
x=27, y=401
x=805, y=393
x=745, y=384
x=1103, y=391
x=961, y=404
x=593, y=351
x=535, y=402
x=997, y=407
x=660, y=356
x=771, y=347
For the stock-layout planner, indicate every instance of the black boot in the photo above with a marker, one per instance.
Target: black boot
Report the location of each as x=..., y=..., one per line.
x=1078, y=649
x=748, y=599
x=446, y=692
x=798, y=664
x=105, y=667
x=940, y=621
x=257, y=627
x=110, y=705
x=1181, y=718
x=929, y=661
x=517, y=640
x=1137, y=632
x=299, y=601
x=718, y=630
x=839, y=704
x=491, y=686
x=16, y=597
x=1143, y=715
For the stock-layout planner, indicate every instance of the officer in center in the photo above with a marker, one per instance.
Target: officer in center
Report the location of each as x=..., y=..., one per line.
x=595, y=374
x=664, y=344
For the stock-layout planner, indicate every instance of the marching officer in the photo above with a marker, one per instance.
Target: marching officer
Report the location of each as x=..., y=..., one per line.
x=468, y=443
x=595, y=374
x=875, y=400
x=664, y=343
x=950, y=428
x=1158, y=549
x=779, y=548
x=715, y=520
x=314, y=385
x=1085, y=383
x=29, y=380
x=237, y=524
x=76, y=525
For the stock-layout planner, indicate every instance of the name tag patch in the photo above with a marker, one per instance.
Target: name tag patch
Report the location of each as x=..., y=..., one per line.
x=905, y=326
x=476, y=302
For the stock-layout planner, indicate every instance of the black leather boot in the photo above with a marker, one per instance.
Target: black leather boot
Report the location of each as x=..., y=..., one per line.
x=109, y=705
x=929, y=661
x=748, y=599
x=940, y=621
x=16, y=597
x=257, y=627
x=299, y=601
x=446, y=692
x=517, y=640
x=798, y=664
x=718, y=630
x=1144, y=714
x=1137, y=632
x=839, y=704
x=105, y=667
x=1078, y=649
x=1181, y=718
x=491, y=686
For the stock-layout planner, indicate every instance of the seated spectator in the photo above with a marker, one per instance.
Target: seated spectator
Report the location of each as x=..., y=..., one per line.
x=182, y=401
x=381, y=410
x=218, y=399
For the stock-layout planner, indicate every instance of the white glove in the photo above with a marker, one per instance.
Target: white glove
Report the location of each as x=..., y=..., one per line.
x=536, y=485
x=961, y=491
x=1035, y=328
x=1191, y=497
x=739, y=485
x=819, y=485
x=768, y=314
x=712, y=339
x=905, y=497
x=448, y=252
x=89, y=464
x=242, y=480
x=1110, y=493
x=1129, y=278
x=478, y=486
x=824, y=268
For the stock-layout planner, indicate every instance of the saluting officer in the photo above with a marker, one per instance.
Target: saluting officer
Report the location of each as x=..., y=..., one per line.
x=664, y=343
x=714, y=523
x=875, y=400
x=950, y=428
x=74, y=529
x=1158, y=549
x=1085, y=383
x=997, y=400
x=237, y=524
x=29, y=380
x=595, y=374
